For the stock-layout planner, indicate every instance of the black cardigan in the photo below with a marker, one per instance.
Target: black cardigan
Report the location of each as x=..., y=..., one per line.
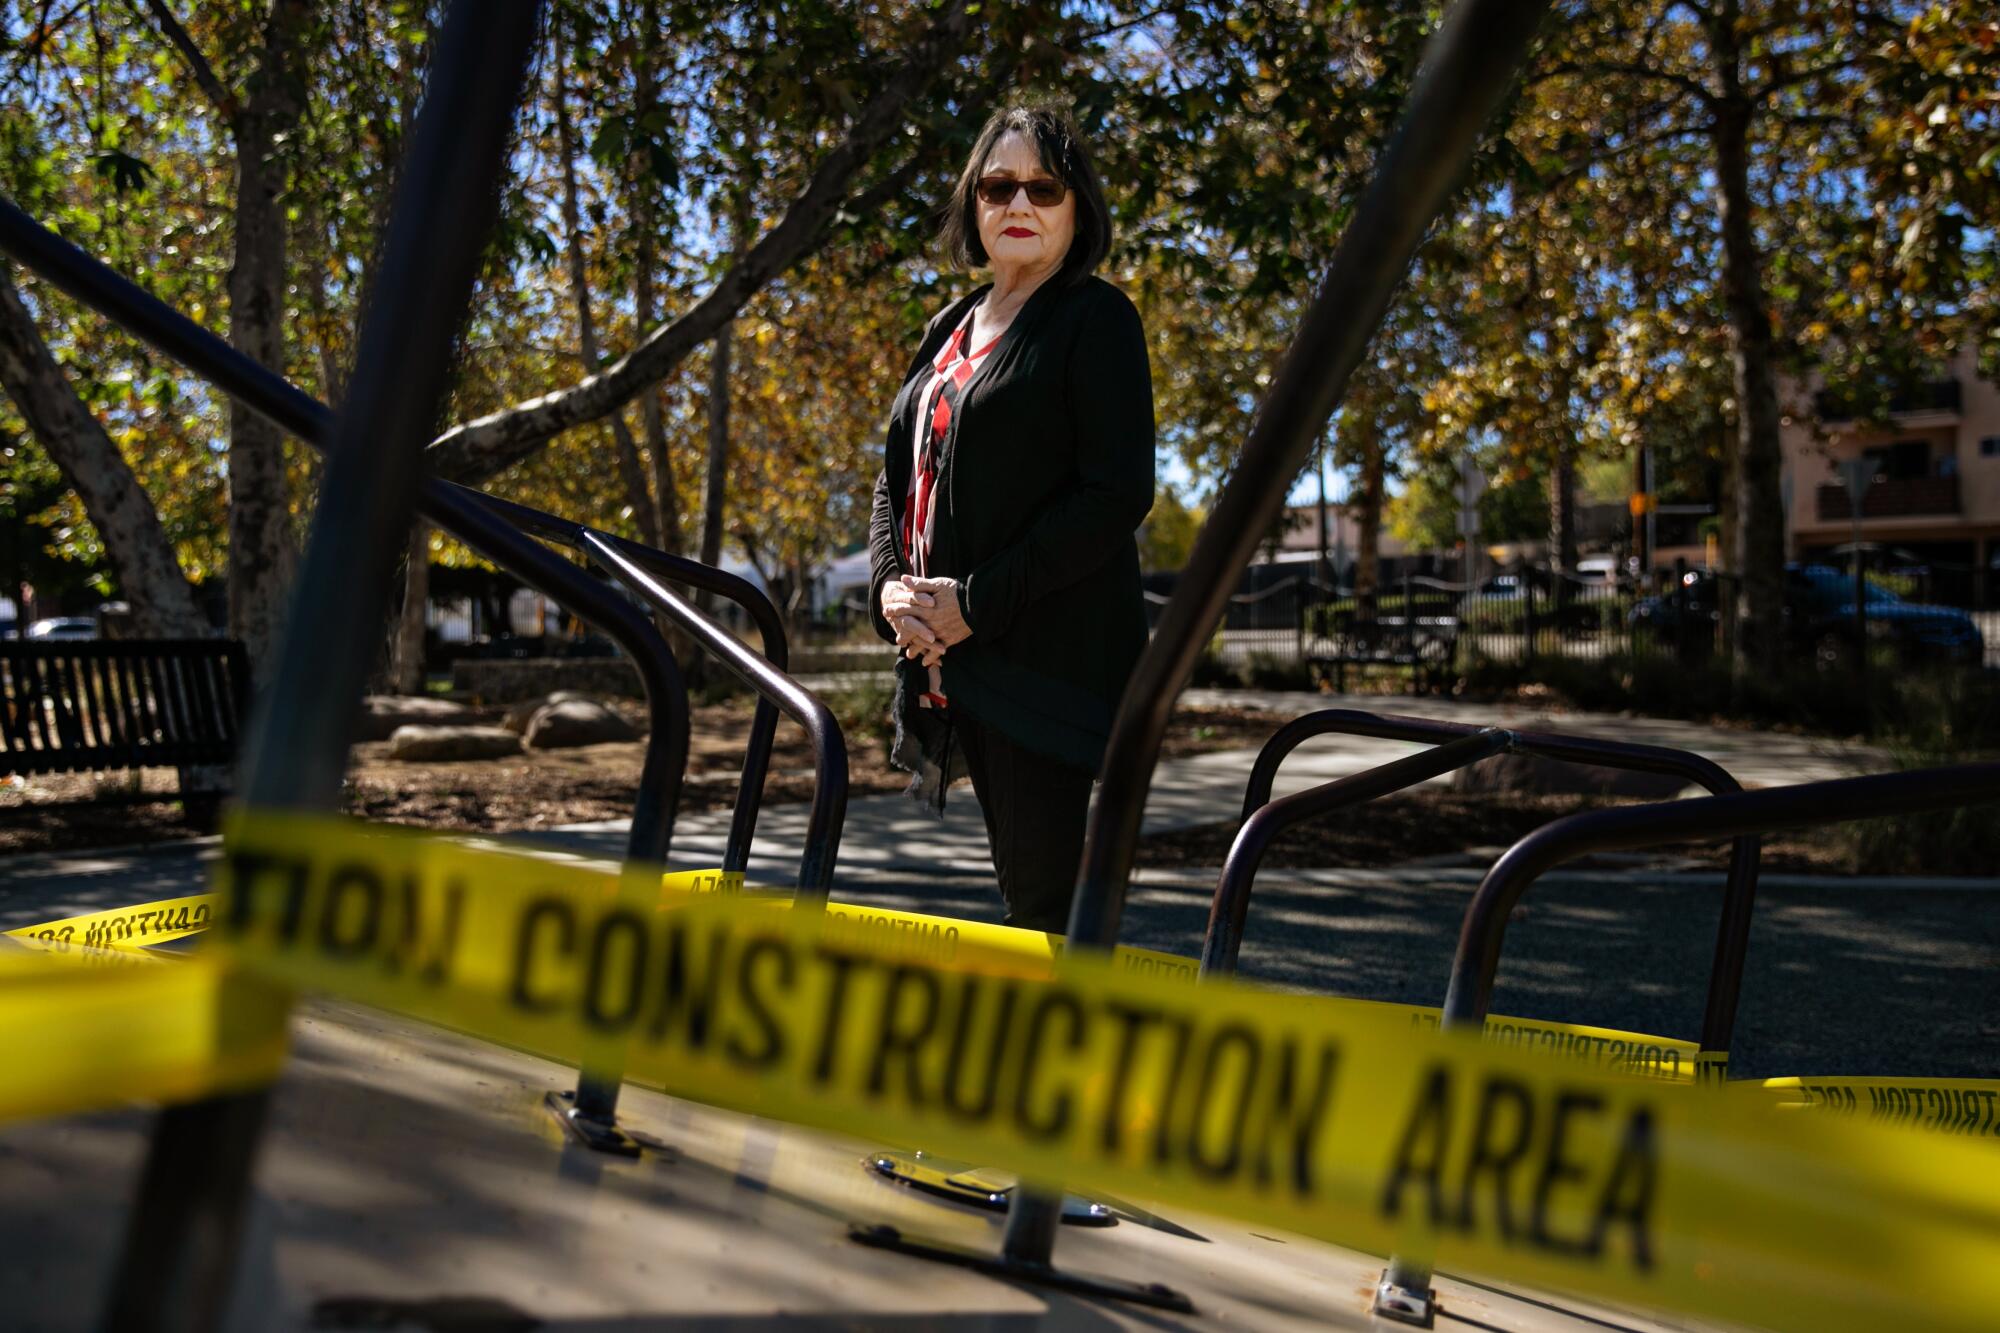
x=1046, y=473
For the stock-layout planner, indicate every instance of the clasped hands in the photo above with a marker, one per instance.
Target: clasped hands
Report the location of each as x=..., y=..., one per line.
x=926, y=616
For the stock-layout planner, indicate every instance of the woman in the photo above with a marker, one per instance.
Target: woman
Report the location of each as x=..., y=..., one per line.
x=1019, y=464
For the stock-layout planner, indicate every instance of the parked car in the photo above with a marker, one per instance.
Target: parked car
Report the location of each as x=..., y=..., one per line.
x=1918, y=631
x=1819, y=618
x=58, y=629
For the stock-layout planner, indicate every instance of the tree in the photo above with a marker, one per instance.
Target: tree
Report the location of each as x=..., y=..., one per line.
x=259, y=116
x=148, y=573
x=1755, y=111
x=480, y=448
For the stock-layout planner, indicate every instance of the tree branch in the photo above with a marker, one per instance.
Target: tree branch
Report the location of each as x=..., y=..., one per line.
x=205, y=77
x=1806, y=75
x=1686, y=84
x=480, y=448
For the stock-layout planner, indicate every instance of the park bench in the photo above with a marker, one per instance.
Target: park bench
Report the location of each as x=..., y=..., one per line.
x=126, y=704
x=1426, y=644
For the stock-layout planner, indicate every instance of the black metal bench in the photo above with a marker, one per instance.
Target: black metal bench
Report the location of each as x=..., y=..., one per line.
x=112, y=704
x=1428, y=645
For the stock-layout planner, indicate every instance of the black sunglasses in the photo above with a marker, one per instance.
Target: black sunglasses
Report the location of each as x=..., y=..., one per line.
x=1043, y=191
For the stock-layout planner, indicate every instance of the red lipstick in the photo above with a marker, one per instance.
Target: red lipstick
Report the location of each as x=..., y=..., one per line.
x=1017, y=231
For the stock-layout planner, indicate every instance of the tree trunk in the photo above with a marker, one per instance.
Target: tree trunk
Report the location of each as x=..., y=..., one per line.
x=716, y=483
x=666, y=496
x=149, y=574
x=1758, y=541
x=407, y=669
x=1368, y=527
x=261, y=550
x=1562, y=509
x=623, y=447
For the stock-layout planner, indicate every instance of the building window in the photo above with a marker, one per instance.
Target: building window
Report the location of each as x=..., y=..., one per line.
x=1990, y=447
x=1904, y=460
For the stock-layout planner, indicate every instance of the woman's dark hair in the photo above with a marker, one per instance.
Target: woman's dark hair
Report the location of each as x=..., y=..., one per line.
x=1063, y=156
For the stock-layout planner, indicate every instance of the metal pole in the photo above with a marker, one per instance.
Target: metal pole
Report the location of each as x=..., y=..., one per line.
x=175, y=1270
x=1471, y=62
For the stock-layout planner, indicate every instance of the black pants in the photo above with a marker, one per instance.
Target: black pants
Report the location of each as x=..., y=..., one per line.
x=1035, y=810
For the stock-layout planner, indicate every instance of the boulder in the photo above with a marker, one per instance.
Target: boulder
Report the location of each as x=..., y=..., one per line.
x=421, y=744
x=1528, y=775
x=521, y=714
x=381, y=714
x=572, y=722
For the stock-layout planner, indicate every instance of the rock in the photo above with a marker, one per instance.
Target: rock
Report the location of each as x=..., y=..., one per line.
x=417, y=744
x=1529, y=775
x=572, y=722
x=381, y=714
x=521, y=714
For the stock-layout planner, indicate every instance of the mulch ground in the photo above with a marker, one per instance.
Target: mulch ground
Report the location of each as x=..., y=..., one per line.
x=534, y=790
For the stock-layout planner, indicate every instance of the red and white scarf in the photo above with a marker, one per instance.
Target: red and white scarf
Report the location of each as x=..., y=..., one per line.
x=936, y=405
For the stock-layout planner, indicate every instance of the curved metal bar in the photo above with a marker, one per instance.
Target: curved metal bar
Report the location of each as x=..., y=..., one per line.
x=461, y=512
x=829, y=803
x=1629, y=828
x=770, y=626
x=1739, y=894
x=1226, y=915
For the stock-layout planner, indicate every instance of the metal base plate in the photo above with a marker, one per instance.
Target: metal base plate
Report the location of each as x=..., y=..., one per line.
x=1154, y=1294
x=1414, y=1306
x=979, y=1186
x=597, y=1135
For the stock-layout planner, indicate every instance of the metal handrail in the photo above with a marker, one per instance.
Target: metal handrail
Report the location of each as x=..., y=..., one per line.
x=1406, y=1283
x=485, y=525
x=1232, y=889
x=472, y=518
x=829, y=802
x=770, y=628
x=1630, y=828
x=1231, y=906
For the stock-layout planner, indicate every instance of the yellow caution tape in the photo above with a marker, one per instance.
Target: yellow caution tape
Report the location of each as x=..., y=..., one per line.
x=1966, y=1106
x=1283, y=1110
x=84, y=1039
x=122, y=927
x=949, y=942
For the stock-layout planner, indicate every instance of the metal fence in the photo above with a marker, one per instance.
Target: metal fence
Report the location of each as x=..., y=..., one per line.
x=1526, y=614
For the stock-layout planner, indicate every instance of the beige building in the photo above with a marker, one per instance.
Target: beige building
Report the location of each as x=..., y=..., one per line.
x=1936, y=492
